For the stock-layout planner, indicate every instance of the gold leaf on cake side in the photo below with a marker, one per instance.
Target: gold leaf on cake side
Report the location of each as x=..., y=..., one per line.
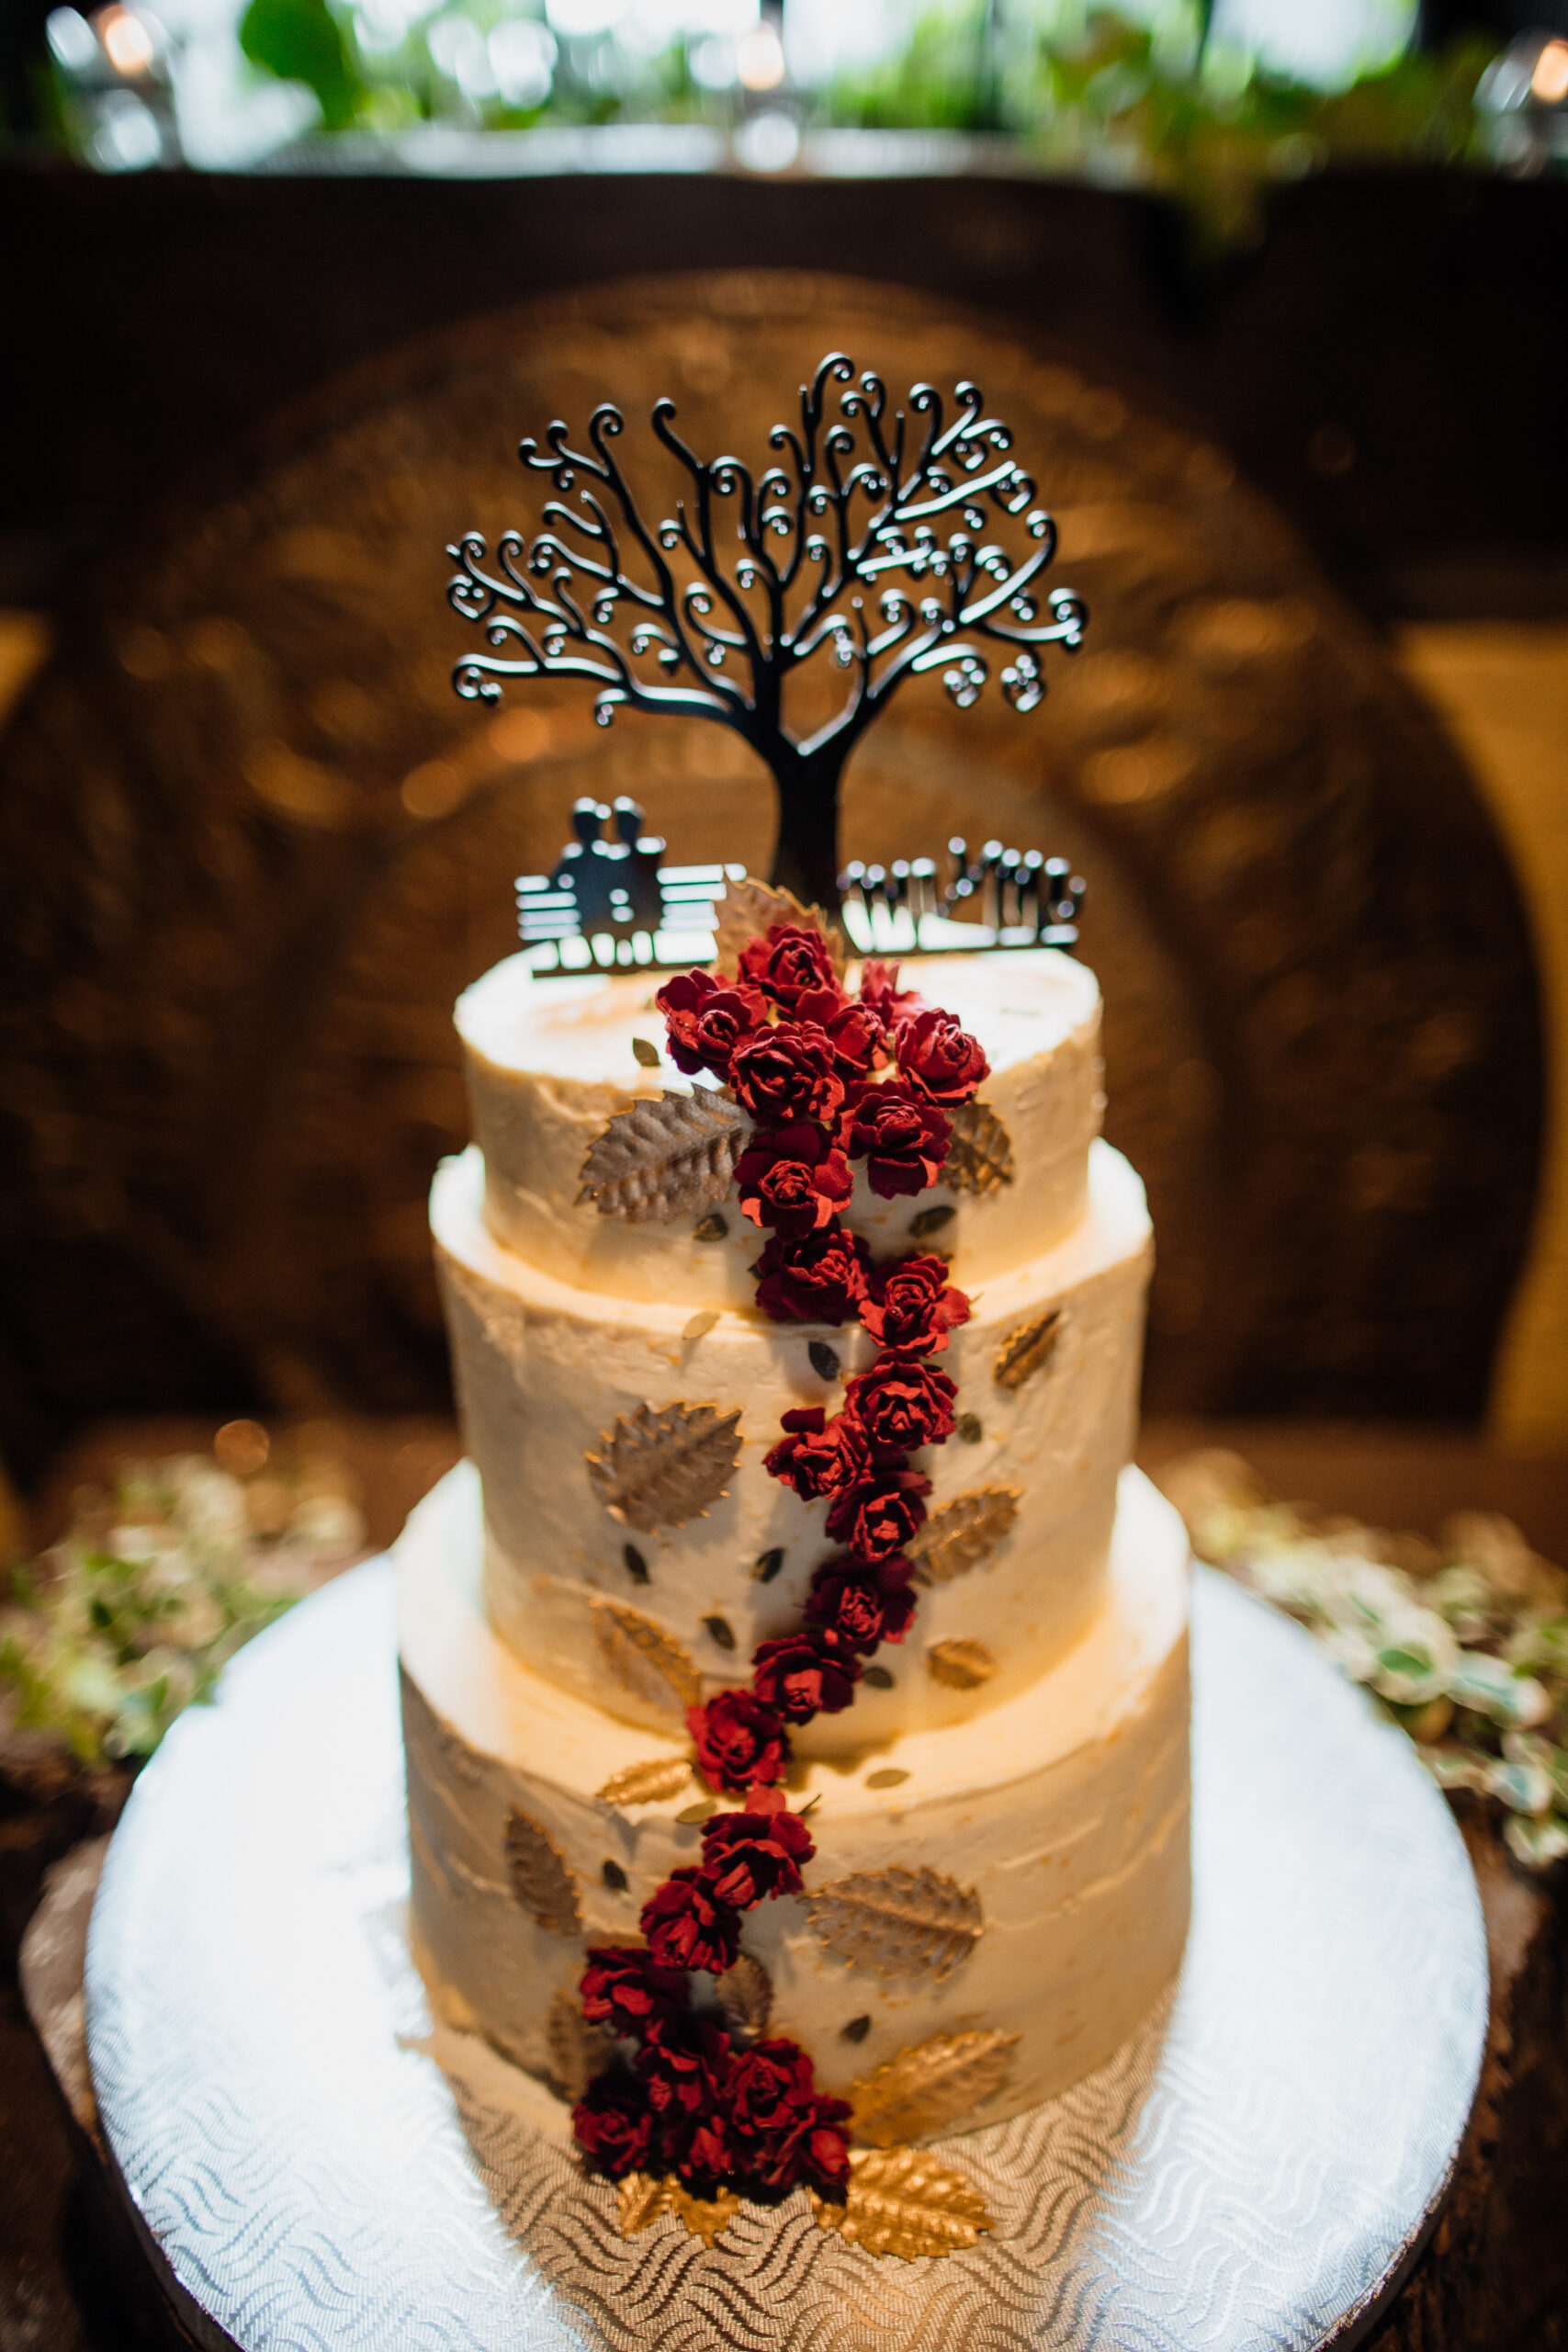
x=749, y=910
x=641, y=2198
x=660, y=1469
x=897, y=1922
x=705, y=2217
x=578, y=2050
x=904, y=2201
x=745, y=1995
x=660, y=1777
x=979, y=1157
x=666, y=1158
x=930, y=2085
x=1026, y=1350
x=963, y=1532
x=644, y=1659
x=963, y=1664
x=540, y=1879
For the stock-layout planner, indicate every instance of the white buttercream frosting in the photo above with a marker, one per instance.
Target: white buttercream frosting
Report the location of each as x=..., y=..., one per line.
x=1063, y=1809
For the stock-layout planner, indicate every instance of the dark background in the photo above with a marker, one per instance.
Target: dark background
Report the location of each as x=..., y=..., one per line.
x=1388, y=365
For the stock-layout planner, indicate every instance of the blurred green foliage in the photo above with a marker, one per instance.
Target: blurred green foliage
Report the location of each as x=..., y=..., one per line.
x=301, y=41
x=1122, y=102
x=133, y=1614
x=947, y=79
x=1184, y=126
x=1101, y=96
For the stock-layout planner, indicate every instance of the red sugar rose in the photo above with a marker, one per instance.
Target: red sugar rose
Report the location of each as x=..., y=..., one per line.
x=784, y=2131
x=938, y=1057
x=859, y=1040
x=880, y=1516
x=788, y=963
x=809, y=1673
x=686, y=2069
x=820, y=1280
x=687, y=1926
x=817, y=2151
x=627, y=1990
x=792, y=1179
x=902, y=1139
x=901, y=1402
x=817, y=1456
x=708, y=2155
x=910, y=1305
x=749, y=1856
x=613, y=2123
x=766, y=1801
x=788, y=1073
x=866, y=1602
x=706, y=1018
x=879, y=991
x=858, y=1034
x=769, y=2084
x=685, y=2080
x=739, y=1742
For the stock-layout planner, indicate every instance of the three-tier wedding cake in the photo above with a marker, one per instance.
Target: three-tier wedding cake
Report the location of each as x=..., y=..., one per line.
x=795, y=1674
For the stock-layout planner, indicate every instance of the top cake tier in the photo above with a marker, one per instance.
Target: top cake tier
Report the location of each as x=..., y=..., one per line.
x=550, y=1061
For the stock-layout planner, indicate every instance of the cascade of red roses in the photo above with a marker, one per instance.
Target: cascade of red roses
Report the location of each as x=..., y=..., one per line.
x=827, y=1079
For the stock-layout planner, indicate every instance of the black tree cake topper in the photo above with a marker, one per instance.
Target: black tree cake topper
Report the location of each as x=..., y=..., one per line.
x=866, y=542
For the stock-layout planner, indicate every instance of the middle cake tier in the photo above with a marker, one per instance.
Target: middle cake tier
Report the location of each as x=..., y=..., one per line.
x=646, y=1620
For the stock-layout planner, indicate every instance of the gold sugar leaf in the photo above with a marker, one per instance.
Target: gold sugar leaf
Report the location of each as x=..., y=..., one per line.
x=904, y=2201
x=661, y=1776
x=963, y=1664
x=1025, y=1350
x=665, y=1157
x=963, y=1532
x=578, y=2050
x=897, y=1921
x=930, y=2085
x=660, y=1469
x=641, y=2196
x=706, y=2217
x=701, y=1323
x=644, y=1659
x=540, y=1879
x=748, y=909
x=979, y=1157
x=745, y=1993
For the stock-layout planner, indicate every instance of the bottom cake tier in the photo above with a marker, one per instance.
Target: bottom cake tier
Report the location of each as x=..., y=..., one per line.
x=1022, y=1877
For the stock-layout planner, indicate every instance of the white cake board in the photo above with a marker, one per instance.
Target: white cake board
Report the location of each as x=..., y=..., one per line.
x=1256, y=2169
